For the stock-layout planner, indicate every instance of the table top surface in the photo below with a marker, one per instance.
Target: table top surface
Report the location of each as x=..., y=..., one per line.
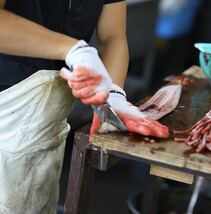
x=194, y=103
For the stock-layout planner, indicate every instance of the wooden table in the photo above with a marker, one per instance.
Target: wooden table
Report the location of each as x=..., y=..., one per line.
x=107, y=149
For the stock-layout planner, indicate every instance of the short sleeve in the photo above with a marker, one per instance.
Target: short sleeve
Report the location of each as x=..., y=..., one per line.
x=112, y=1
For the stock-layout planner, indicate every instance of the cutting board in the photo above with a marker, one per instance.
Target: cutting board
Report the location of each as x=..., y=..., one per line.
x=194, y=103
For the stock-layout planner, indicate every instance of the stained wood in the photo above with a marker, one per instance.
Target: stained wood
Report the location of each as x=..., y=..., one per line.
x=171, y=174
x=195, y=71
x=195, y=101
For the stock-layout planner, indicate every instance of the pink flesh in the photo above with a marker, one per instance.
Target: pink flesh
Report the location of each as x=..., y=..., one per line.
x=199, y=135
x=144, y=126
x=208, y=146
x=183, y=80
x=162, y=102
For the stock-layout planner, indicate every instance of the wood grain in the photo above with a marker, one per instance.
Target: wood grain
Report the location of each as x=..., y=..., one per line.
x=171, y=174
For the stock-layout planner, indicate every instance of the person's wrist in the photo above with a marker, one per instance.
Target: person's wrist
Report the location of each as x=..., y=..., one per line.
x=115, y=89
x=78, y=45
x=62, y=46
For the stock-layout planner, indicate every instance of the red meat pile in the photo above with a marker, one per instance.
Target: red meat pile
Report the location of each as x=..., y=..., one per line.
x=199, y=135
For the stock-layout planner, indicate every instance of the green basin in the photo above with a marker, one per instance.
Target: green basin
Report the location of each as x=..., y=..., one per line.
x=205, y=57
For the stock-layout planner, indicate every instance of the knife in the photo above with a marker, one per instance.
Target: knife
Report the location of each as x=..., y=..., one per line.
x=107, y=114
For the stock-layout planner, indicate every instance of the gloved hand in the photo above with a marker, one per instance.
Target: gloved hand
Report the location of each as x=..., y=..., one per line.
x=133, y=118
x=89, y=80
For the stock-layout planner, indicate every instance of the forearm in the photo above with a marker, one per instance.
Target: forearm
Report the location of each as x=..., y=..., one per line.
x=19, y=36
x=115, y=58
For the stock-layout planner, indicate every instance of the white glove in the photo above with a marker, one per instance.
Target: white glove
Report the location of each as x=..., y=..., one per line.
x=133, y=118
x=89, y=80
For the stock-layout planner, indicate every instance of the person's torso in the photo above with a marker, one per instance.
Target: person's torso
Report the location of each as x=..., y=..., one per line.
x=76, y=18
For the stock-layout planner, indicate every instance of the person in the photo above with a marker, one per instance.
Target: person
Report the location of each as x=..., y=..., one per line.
x=52, y=35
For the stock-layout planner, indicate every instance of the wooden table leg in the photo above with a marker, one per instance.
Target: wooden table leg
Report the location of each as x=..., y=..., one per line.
x=80, y=179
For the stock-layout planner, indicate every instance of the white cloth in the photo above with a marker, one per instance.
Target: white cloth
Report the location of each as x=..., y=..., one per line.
x=33, y=130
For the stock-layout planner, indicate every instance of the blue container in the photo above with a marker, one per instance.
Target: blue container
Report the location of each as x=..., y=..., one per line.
x=176, y=24
x=205, y=57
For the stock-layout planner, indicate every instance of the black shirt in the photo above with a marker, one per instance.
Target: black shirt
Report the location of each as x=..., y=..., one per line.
x=76, y=18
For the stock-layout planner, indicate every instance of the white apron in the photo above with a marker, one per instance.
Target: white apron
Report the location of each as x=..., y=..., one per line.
x=33, y=129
